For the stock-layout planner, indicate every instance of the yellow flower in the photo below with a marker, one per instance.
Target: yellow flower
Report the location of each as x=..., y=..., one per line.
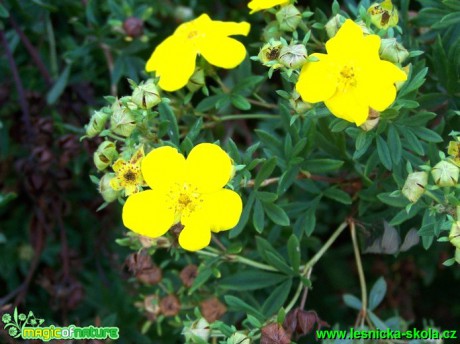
x=259, y=5
x=174, y=59
x=128, y=174
x=188, y=192
x=351, y=77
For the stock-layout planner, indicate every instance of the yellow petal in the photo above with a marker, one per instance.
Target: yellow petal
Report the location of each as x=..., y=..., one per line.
x=317, y=80
x=195, y=236
x=347, y=42
x=228, y=28
x=223, y=209
x=115, y=184
x=258, y=5
x=118, y=164
x=173, y=61
x=349, y=106
x=162, y=167
x=148, y=214
x=221, y=51
x=208, y=167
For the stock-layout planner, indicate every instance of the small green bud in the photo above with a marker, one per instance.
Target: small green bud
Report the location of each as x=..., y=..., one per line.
x=393, y=51
x=271, y=32
x=289, y=17
x=297, y=104
x=445, y=174
x=293, y=56
x=122, y=121
x=454, y=234
x=334, y=24
x=270, y=53
x=105, y=154
x=414, y=187
x=197, y=80
x=96, y=123
x=108, y=194
x=454, y=151
x=383, y=15
x=238, y=338
x=146, y=95
x=198, y=330
x=372, y=120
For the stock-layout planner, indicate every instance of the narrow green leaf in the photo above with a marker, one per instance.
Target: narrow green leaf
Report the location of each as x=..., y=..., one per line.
x=251, y=279
x=265, y=171
x=277, y=298
x=240, y=102
x=384, y=153
x=58, y=86
x=167, y=113
x=337, y=195
x=244, y=217
x=294, y=253
x=394, y=145
x=258, y=218
x=322, y=165
x=276, y=214
x=237, y=304
x=378, y=291
x=352, y=301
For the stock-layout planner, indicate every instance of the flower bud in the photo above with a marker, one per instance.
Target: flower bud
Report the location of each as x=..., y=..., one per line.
x=146, y=95
x=454, y=234
x=445, y=174
x=96, y=123
x=108, y=194
x=334, y=24
x=133, y=27
x=393, y=51
x=297, y=104
x=105, y=154
x=271, y=32
x=372, y=120
x=293, y=56
x=122, y=121
x=238, y=338
x=289, y=17
x=198, y=330
x=270, y=53
x=454, y=151
x=414, y=187
x=457, y=255
x=383, y=15
x=197, y=80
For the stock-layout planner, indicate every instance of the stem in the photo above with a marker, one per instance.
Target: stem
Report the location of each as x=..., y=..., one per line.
x=246, y=116
x=238, y=259
x=433, y=196
x=116, y=137
x=110, y=65
x=359, y=265
x=262, y=104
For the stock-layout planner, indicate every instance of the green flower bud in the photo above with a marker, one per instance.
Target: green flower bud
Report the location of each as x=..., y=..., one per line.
x=414, y=187
x=105, y=154
x=270, y=53
x=289, y=17
x=199, y=330
x=122, y=121
x=293, y=56
x=297, y=104
x=96, y=123
x=197, y=80
x=238, y=338
x=393, y=51
x=372, y=120
x=454, y=151
x=383, y=15
x=334, y=24
x=445, y=174
x=271, y=32
x=146, y=95
x=454, y=234
x=108, y=194
x=457, y=255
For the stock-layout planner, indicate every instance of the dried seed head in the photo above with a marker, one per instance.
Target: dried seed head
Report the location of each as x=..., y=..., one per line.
x=372, y=120
x=146, y=95
x=97, y=123
x=105, y=154
x=414, y=187
x=274, y=334
x=212, y=309
x=454, y=234
x=122, y=121
x=188, y=275
x=293, y=56
x=393, y=51
x=270, y=53
x=238, y=338
x=445, y=174
x=334, y=24
x=106, y=191
x=197, y=330
x=133, y=27
x=289, y=17
x=170, y=306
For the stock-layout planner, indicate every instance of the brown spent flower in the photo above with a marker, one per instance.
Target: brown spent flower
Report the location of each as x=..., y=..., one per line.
x=133, y=27
x=170, y=306
x=150, y=276
x=142, y=266
x=302, y=322
x=274, y=334
x=188, y=275
x=212, y=309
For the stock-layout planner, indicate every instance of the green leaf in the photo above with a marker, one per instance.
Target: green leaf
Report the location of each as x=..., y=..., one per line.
x=278, y=262
x=204, y=273
x=240, y=102
x=4, y=12
x=352, y=301
x=7, y=198
x=310, y=221
x=384, y=153
x=239, y=305
x=277, y=298
x=244, y=217
x=377, y=321
x=287, y=179
x=394, y=145
x=377, y=293
x=266, y=196
x=258, y=218
x=395, y=201
x=403, y=215
x=413, y=142
x=58, y=86
x=276, y=214
x=322, y=165
x=427, y=135
x=337, y=195
x=449, y=20
x=251, y=279
x=167, y=113
x=265, y=171
x=209, y=103
x=294, y=252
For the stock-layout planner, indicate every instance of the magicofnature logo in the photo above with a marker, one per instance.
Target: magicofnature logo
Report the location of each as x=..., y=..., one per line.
x=29, y=327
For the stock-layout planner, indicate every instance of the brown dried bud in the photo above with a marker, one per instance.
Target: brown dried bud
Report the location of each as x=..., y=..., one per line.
x=44, y=157
x=212, y=309
x=151, y=306
x=170, y=306
x=138, y=262
x=274, y=334
x=301, y=322
x=150, y=276
x=188, y=275
x=134, y=27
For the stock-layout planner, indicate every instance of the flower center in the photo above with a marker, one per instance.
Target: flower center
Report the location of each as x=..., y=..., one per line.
x=184, y=199
x=347, y=77
x=129, y=176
